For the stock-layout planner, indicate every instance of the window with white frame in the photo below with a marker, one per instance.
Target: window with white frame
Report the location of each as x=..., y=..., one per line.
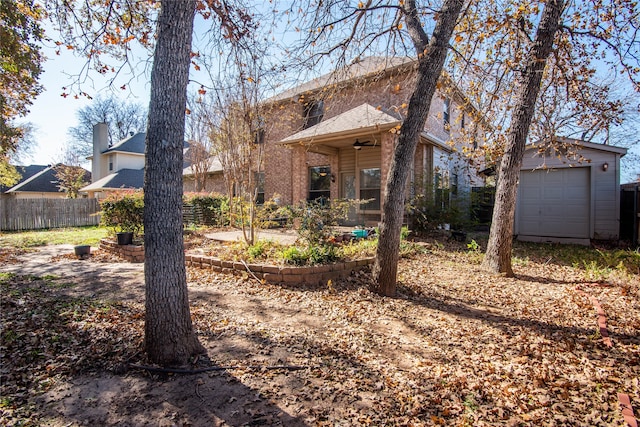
x=370, y=188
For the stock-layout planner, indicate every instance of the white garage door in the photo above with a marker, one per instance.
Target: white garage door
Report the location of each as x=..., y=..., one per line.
x=555, y=203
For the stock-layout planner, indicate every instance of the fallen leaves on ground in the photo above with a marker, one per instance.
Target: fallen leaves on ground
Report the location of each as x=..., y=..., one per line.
x=458, y=346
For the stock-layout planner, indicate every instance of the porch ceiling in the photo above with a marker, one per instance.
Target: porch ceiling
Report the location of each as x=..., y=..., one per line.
x=364, y=121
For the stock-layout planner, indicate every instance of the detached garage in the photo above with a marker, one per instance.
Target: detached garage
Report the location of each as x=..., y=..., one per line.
x=569, y=193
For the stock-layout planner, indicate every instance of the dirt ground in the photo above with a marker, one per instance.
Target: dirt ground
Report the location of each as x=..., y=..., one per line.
x=456, y=347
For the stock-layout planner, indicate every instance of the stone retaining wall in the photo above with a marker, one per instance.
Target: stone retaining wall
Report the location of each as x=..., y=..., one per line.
x=131, y=253
x=281, y=274
x=269, y=273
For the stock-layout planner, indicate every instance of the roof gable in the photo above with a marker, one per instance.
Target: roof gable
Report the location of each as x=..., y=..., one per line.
x=357, y=120
x=361, y=68
x=124, y=178
x=134, y=144
x=25, y=172
x=44, y=181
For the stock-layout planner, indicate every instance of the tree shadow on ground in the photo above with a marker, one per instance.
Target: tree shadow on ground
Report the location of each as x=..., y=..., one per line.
x=508, y=324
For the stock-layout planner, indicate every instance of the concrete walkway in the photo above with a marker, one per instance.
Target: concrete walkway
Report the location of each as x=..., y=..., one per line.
x=286, y=237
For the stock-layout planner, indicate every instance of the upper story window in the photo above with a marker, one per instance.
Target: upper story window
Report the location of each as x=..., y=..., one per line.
x=446, y=113
x=313, y=113
x=110, y=163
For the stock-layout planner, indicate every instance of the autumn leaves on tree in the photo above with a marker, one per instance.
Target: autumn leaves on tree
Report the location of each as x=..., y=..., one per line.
x=21, y=64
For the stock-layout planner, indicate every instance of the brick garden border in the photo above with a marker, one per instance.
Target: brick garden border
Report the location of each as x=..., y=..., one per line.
x=317, y=274
x=131, y=253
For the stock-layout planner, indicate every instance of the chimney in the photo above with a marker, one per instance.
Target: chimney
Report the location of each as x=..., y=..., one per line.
x=99, y=167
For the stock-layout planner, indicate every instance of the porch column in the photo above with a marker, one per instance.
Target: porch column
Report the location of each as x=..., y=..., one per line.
x=334, y=164
x=300, y=174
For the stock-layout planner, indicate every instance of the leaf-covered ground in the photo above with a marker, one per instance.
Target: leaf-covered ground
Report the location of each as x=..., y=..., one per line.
x=457, y=347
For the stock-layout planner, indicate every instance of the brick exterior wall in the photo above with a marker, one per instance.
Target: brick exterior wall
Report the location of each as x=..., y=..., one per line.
x=213, y=184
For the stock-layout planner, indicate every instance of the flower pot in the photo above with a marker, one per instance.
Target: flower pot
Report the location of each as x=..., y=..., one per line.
x=125, y=238
x=82, y=251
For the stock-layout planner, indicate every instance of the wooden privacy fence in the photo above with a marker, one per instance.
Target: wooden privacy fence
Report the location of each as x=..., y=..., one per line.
x=33, y=214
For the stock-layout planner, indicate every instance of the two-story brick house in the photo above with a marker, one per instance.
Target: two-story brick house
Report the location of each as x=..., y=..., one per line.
x=333, y=137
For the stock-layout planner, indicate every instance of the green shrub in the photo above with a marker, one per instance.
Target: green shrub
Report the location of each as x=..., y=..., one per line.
x=123, y=211
x=318, y=219
x=313, y=254
x=322, y=254
x=294, y=255
x=473, y=246
x=263, y=249
x=359, y=248
x=270, y=215
x=428, y=215
x=404, y=232
x=207, y=209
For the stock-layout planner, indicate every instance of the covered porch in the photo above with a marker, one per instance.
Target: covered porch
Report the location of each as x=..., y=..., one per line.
x=345, y=157
x=349, y=155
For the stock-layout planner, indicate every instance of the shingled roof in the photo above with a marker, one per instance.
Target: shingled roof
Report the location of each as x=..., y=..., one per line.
x=122, y=179
x=133, y=144
x=44, y=181
x=357, y=120
x=25, y=172
x=368, y=66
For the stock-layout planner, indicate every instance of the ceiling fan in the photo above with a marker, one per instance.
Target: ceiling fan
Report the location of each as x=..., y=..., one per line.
x=358, y=145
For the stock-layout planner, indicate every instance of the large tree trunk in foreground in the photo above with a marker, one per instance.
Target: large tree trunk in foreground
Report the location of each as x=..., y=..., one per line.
x=498, y=255
x=431, y=57
x=169, y=335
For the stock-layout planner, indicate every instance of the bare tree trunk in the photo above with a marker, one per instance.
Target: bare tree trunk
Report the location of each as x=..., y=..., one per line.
x=169, y=335
x=431, y=57
x=498, y=255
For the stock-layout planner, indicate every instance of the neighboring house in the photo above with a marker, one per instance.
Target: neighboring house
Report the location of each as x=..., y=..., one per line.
x=120, y=166
x=570, y=193
x=214, y=182
x=38, y=182
x=25, y=172
x=116, y=167
x=333, y=137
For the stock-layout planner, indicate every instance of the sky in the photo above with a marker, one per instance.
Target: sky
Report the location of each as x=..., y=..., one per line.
x=52, y=115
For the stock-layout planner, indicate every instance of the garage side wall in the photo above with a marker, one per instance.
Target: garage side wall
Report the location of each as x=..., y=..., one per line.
x=603, y=212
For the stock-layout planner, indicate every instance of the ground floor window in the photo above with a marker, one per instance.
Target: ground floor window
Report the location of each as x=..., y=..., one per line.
x=319, y=183
x=370, y=188
x=442, y=190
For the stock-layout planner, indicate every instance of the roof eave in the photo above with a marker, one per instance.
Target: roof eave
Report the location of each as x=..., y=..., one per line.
x=330, y=137
x=585, y=144
x=436, y=141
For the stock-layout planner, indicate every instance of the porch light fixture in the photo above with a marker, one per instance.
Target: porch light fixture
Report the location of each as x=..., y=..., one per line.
x=605, y=166
x=358, y=145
